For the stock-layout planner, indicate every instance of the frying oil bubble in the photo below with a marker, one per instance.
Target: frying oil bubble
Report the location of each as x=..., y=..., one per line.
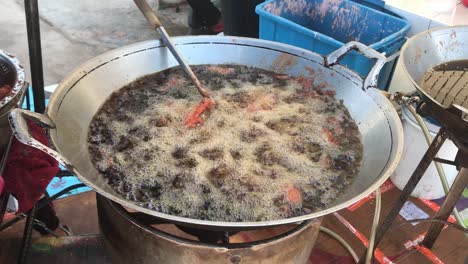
x=267, y=139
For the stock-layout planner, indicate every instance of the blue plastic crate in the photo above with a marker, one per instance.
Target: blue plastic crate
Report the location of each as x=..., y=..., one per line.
x=323, y=26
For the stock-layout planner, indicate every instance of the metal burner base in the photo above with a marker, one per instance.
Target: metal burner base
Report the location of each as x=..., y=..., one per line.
x=130, y=241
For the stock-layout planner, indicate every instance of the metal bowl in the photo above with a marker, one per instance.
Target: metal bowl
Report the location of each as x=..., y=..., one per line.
x=11, y=73
x=431, y=48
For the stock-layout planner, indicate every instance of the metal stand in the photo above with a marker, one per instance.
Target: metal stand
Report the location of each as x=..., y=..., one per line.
x=455, y=128
x=27, y=236
x=411, y=185
x=444, y=212
x=5, y=195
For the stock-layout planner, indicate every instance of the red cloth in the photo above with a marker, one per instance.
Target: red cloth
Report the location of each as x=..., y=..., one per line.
x=218, y=28
x=28, y=170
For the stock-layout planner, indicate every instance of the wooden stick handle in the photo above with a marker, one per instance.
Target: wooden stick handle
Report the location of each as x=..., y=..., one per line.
x=145, y=8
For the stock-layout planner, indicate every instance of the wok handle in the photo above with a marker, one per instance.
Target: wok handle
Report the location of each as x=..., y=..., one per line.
x=372, y=77
x=20, y=128
x=145, y=8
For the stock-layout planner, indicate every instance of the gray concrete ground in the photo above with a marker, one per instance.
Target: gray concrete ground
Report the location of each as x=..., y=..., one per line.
x=74, y=31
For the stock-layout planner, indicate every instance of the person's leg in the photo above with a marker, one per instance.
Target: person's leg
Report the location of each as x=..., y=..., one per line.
x=48, y=216
x=196, y=24
x=206, y=10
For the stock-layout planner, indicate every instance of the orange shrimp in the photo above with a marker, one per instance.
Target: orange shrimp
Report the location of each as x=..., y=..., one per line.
x=193, y=118
x=294, y=195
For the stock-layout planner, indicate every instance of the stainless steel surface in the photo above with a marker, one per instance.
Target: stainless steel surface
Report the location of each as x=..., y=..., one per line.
x=129, y=241
x=20, y=128
x=11, y=73
x=372, y=78
x=145, y=8
x=79, y=96
x=433, y=47
x=10, y=66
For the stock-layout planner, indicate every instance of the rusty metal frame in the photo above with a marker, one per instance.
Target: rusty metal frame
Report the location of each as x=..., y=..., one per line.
x=5, y=196
x=411, y=185
x=458, y=186
x=35, y=54
x=455, y=127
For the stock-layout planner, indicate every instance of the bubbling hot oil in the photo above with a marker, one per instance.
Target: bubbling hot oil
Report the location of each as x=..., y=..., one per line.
x=274, y=146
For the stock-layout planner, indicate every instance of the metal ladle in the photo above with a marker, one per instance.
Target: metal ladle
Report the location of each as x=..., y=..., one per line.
x=145, y=8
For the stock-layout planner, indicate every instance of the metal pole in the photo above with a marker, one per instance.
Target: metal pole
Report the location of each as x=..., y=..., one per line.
x=35, y=54
x=454, y=194
x=412, y=182
x=5, y=196
x=26, y=243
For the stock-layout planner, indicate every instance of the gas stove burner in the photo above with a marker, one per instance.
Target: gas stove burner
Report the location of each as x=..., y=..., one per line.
x=139, y=238
x=218, y=237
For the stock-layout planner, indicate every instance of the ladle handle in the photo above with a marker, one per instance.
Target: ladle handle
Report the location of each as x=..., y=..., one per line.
x=372, y=77
x=145, y=8
x=21, y=131
x=147, y=11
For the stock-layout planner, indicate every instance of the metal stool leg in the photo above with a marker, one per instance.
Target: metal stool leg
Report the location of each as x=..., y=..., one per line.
x=35, y=53
x=412, y=182
x=3, y=205
x=26, y=243
x=444, y=212
x=5, y=196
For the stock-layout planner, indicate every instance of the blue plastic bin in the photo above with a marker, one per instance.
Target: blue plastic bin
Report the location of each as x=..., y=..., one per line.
x=323, y=26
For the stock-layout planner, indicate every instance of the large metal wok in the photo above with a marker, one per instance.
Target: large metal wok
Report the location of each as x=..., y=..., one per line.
x=79, y=96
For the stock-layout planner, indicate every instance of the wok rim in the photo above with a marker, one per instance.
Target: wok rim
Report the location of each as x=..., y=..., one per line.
x=380, y=100
x=20, y=79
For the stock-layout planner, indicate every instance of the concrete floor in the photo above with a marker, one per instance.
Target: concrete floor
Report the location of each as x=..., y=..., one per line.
x=73, y=32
